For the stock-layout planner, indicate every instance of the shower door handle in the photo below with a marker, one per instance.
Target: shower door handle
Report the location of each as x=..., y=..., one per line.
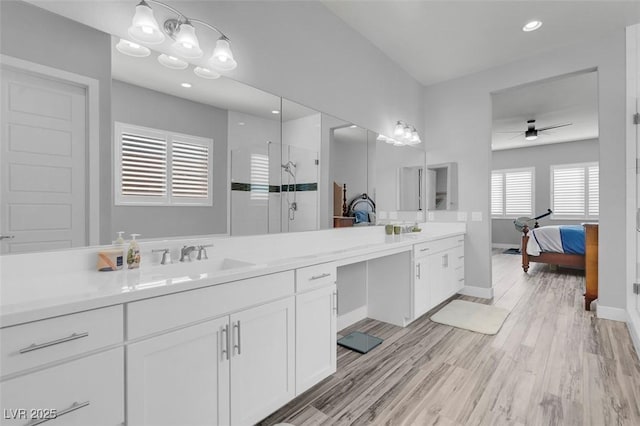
x=638, y=220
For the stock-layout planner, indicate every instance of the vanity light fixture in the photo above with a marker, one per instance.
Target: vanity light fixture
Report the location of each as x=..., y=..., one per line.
x=145, y=29
x=531, y=26
x=404, y=134
x=132, y=49
x=172, y=62
x=399, y=129
x=206, y=73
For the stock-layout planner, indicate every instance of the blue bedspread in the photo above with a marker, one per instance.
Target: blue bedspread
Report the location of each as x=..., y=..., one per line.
x=572, y=237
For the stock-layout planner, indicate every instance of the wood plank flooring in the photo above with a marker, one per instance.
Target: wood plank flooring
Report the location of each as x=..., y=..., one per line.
x=552, y=363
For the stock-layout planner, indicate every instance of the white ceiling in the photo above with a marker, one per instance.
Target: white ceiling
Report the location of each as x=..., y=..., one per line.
x=570, y=99
x=436, y=41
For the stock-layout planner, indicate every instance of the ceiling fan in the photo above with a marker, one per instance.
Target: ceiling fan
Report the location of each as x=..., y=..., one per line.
x=531, y=133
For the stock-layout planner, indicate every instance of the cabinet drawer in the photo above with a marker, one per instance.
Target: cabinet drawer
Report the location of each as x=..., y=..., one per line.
x=87, y=391
x=315, y=276
x=430, y=247
x=178, y=309
x=37, y=343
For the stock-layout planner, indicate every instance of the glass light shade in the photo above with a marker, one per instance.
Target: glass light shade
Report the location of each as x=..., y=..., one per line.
x=414, y=136
x=206, y=73
x=222, y=57
x=399, y=129
x=407, y=133
x=186, y=44
x=531, y=138
x=172, y=62
x=132, y=49
x=144, y=27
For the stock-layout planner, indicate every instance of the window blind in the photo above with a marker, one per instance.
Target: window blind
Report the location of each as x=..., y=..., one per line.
x=512, y=192
x=189, y=170
x=259, y=177
x=144, y=166
x=575, y=191
x=497, y=194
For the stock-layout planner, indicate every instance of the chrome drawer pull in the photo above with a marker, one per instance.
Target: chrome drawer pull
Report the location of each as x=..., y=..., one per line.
x=424, y=249
x=460, y=257
x=461, y=279
x=317, y=277
x=75, y=406
x=225, y=341
x=238, y=345
x=35, y=346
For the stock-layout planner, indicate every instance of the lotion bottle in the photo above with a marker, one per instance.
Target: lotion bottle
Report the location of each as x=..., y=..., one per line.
x=133, y=254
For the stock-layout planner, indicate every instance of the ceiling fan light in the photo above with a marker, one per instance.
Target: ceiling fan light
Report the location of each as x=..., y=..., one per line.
x=531, y=26
x=172, y=62
x=144, y=27
x=206, y=73
x=132, y=49
x=186, y=44
x=399, y=129
x=531, y=137
x=222, y=57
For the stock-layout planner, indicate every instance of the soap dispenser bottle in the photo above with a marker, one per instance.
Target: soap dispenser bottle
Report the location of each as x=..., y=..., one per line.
x=120, y=240
x=133, y=254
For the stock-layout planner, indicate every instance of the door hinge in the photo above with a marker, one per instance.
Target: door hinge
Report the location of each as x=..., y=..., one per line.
x=317, y=162
x=636, y=118
x=636, y=288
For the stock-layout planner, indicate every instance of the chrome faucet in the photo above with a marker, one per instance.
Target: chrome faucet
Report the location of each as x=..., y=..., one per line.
x=166, y=255
x=185, y=253
x=202, y=252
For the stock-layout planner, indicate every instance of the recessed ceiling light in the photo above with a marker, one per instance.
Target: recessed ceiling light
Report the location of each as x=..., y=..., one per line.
x=240, y=123
x=275, y=111
x=531, y=26
x=353, y=126
x=186, y=85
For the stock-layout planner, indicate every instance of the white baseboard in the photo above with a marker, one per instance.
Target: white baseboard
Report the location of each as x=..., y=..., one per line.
x=504, y=246
x=614, y=314
x=634, y=331
x=482, y=292
x=345, y=320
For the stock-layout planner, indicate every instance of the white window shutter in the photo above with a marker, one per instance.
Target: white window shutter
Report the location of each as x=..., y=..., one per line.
x=519, y=193
x=189, y=170
x=144, y=166
x=497, y=194
x=569, y=192
x=593, y=196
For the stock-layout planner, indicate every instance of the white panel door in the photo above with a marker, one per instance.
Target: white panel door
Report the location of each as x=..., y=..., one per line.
x=316, y=313
x=262, y=361
x=42, y=163
x=180, y=378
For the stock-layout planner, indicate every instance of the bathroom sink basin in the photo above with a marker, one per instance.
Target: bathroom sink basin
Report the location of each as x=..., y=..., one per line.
x=208, y=266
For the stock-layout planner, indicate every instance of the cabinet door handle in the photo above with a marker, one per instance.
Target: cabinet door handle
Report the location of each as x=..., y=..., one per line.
x=418, y=272
x=317, y=277
x=424, y=249
x=75, y=406
x=335, y=302
x=225, y=341
x=237, y=346
x=36, y=346
x=7, y=237
x=445, y=261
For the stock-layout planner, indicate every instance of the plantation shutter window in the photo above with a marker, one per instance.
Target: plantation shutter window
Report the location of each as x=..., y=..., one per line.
x=512, y=193
x=575, y=191
x=155, y=167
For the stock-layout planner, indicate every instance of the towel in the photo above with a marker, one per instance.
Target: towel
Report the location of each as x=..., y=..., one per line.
x=361, y=216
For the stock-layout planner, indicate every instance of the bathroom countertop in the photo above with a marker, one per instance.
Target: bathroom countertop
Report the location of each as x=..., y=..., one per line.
x=34, y=295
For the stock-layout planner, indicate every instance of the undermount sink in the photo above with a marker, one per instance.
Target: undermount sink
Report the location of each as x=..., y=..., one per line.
x=228, y=263
x=210, y=265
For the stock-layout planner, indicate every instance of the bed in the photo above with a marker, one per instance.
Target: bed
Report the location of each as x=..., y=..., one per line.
x=566, y=245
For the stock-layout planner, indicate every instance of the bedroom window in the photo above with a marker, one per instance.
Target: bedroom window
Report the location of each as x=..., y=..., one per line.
x=575, y=191
x=512, y=193
x=155, y=167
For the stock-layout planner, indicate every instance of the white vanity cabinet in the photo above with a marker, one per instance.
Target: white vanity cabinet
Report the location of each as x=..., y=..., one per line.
x=316, y=323
x=227, y=356
x=439, y=272
x=181, y=377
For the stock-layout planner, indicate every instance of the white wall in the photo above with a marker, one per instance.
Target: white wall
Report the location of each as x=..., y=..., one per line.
x=541, y=158
x=458, y=128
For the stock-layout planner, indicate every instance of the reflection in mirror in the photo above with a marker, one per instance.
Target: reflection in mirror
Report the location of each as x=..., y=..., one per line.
x=399, y=180
x=348, y=176
x=442, y=186
x=299, y=167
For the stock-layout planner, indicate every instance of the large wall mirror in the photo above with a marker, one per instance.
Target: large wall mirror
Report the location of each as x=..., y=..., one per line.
x=95, y=141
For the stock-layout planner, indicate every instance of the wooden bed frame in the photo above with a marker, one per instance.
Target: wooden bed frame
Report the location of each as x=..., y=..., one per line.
x=588, y=261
